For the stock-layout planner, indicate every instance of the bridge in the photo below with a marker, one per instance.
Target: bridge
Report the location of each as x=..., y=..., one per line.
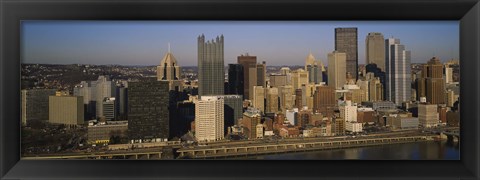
x=451, y=135
x=245, y=150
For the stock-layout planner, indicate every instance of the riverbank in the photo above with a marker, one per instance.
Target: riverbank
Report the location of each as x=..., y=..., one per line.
x=254, y=150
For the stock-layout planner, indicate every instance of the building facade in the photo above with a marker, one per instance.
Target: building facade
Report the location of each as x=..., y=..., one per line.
x=346, y=41
x=148, y=113
x=235, y=79
x=211, y=75
x=375, y=49
x=209, y=118
x=35, y=104
x=398, y=72
x=66, y=110
x=337, y=69
x=246, y=61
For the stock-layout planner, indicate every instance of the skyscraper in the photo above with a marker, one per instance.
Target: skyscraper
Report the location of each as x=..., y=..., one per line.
x=209, y=118
x=104, y=88
x=168, y=70
x=262, y=74
x=375, y=49
x=314, y=69
x=35, y=104
x=346, y=42
x=337, y=74
x=258, y=98
x=398, y=70
x=211, y=76
x=233, y=109
x=271, y=97
x=286, y=97
x=235, y=79
x=434, y=82
x=246, y=61
x=148, y=113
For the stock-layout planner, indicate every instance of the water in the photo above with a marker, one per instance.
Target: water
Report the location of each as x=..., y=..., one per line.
x=429, y=150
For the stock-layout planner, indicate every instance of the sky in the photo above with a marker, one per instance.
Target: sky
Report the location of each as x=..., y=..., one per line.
x=276, y=42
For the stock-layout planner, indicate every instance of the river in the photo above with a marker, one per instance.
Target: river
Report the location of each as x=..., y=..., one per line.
x=428, y=150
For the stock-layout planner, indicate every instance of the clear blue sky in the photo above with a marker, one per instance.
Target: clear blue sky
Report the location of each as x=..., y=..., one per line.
x=276, y=42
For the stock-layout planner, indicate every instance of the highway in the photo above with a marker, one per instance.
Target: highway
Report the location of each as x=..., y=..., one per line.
x=221, y=144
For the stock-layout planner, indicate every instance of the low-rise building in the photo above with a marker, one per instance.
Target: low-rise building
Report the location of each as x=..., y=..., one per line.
x=353, y=126
x=103, y=132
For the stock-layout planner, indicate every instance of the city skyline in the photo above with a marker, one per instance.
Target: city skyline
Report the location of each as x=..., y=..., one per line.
x=278, y=43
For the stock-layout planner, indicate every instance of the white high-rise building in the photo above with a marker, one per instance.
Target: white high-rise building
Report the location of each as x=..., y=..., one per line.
x=209, y=118
x=448, y=74
x=398, y=72
x=348, y=111
x=105, y=88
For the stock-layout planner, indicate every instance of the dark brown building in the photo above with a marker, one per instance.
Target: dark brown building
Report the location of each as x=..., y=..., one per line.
x=365, y=116
x=246, y=61
x=298, y=99
x=431, y=84
x=324, y=100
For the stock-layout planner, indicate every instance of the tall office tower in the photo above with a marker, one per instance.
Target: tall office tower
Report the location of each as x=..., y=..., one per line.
x=246, y=61
x=235, y=79
x=375, y=49
x=348, y=111
x=435, y=85
x=233, y=110
x=298, y=98
x=313, y=69
x=428, y=115
x=286, y=97
x=277, y=80
x=398, y=70
x=337, y=69
x=307, y=95
x=109, y=108
x=258, y=98
x=271, y=100
x=87, y=89
x=375, y=88
x=209, y=118
x=168, y=70
x=324, y=100
x=346, y=41
x=35, y=104
x=262, y=74
x=380, y=74
x=448, y=74
x=67, y=110
x=122, y=101
x=104, y=88
x=252, y=82
x=299, y=77
x=250, y=119
x=148, y=110
x=420, y=82
x=211, y=76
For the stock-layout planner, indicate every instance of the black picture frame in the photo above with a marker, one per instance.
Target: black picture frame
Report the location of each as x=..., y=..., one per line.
x=13, y=11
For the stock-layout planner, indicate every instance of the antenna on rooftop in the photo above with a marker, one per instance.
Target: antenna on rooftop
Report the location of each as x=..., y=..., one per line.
x=168, y=47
